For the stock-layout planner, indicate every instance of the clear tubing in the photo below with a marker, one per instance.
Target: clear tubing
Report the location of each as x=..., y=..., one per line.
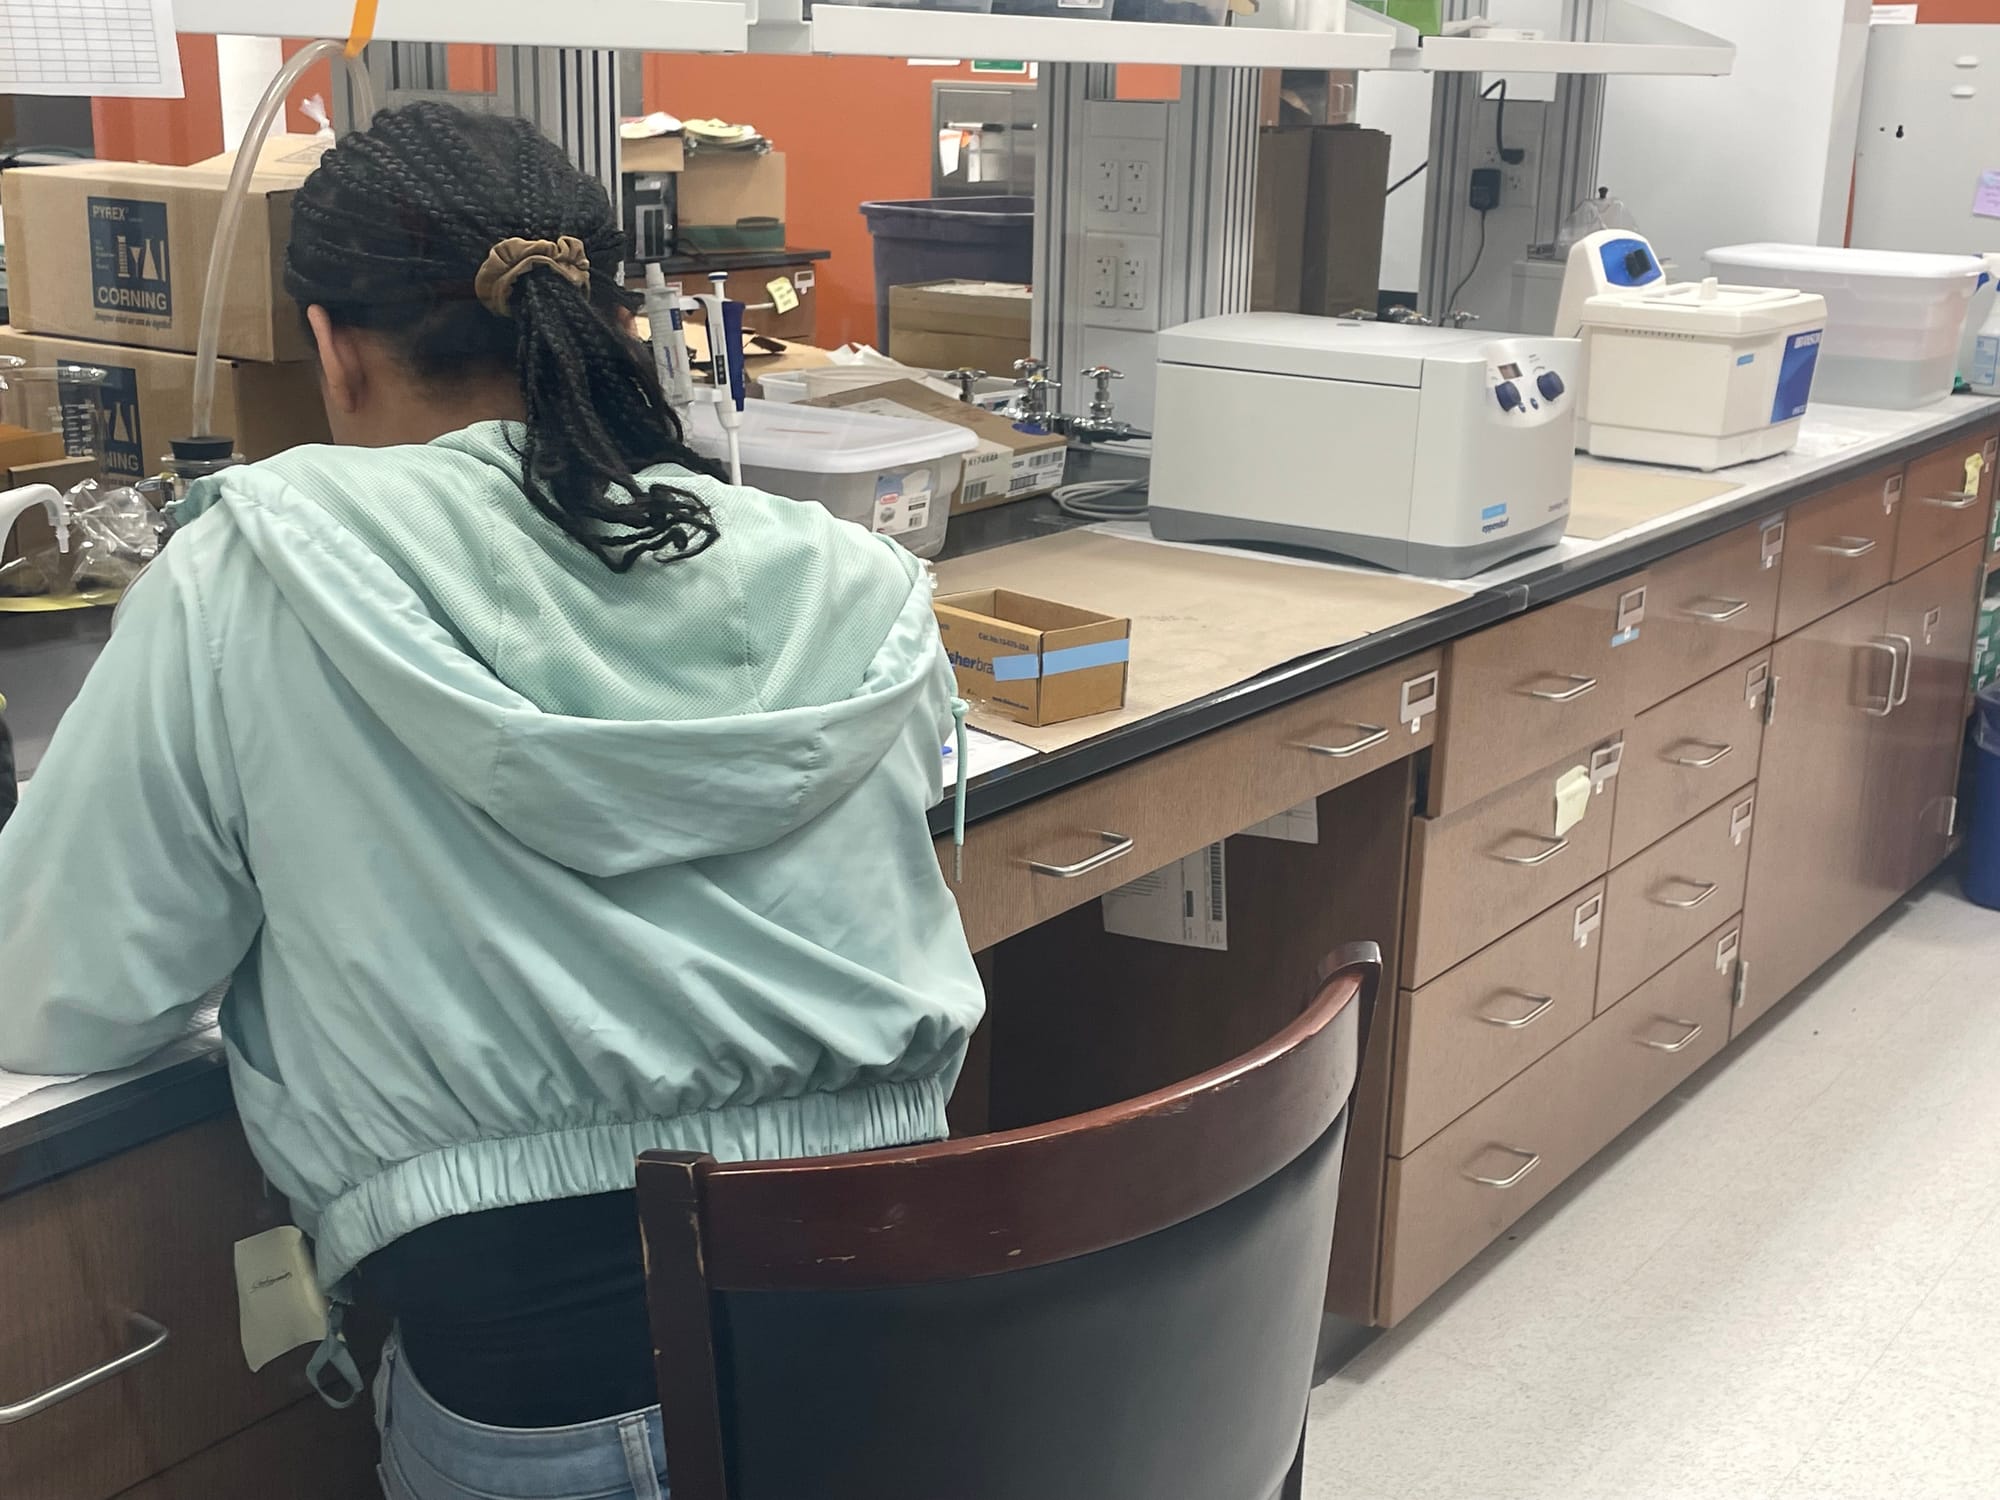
x=223, y=251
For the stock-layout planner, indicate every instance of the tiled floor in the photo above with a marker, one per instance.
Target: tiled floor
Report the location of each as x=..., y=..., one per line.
x=1783, y=1284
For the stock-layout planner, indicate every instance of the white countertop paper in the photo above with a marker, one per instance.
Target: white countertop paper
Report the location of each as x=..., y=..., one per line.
x=38, y=1089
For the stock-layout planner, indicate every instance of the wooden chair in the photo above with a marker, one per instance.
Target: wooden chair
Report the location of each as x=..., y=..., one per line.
x=1122, y=1305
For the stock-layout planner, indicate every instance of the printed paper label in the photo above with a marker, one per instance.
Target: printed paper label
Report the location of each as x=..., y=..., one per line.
x=902, y=502
x=1186, y=904
x=130, y=266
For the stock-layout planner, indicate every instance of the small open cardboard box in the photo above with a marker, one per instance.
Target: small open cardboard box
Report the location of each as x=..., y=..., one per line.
x=1033, y=660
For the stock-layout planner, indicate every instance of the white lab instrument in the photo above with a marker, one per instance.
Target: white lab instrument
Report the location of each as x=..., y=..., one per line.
x=726, y=383
x=894, y=475
x=1690, y=373
x=1428, y=450
x=1893, y=318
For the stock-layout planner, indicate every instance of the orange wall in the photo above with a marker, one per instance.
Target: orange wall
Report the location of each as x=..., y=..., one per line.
x=1956, y=12
x=852, y=129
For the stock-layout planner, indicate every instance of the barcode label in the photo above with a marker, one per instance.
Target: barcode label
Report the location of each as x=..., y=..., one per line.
x=1186, y=904
x=1049, y=460
x=976, y=489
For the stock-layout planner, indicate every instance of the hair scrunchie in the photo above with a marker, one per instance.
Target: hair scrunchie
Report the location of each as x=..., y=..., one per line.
x=511, y=259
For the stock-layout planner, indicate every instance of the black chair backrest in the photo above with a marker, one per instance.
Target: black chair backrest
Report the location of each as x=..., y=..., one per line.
x=1123, y=1305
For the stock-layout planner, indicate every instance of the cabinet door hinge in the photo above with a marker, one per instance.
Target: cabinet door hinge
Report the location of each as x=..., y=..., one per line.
x=1771, y=700
x=1742, y=986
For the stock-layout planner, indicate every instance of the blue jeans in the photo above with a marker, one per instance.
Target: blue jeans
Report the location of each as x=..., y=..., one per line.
x=429, y=1453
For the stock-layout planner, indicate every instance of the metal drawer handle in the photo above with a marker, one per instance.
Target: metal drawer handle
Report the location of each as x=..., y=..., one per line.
x=1534, y=1160
x=1371, y=735
x=1707, y=887
x=1702, y=762
x=150, y=1338
x=1956, y=500
x=1898, y=699
x=1895, y=667
x=1847, y=546
x=1729, y=609
x=1555, y=847
x=1693, y=1031
x=1120, y=846
x=1578, y=687
x=1515, y=1023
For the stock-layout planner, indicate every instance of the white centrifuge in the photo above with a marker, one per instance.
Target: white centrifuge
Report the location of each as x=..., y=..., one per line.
x=1695, y=374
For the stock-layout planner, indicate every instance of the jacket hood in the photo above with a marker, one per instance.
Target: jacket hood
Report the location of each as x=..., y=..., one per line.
x=601, y=796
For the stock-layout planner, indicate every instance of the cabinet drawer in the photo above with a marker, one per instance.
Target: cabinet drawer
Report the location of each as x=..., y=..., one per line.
x=1941, y=513
x=1457, y=1192
x=1525, y=691
x=1705, y=608
x=1035, y=862
x=1483, y=871
x=1659, y=901
x=146, y=1233
x=1467, y=1032
x=1838, y=546
x=1691, y=750
x=309, y=1451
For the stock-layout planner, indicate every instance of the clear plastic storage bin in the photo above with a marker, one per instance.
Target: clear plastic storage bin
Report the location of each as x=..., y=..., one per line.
x=1893, y=318
x=894, y=475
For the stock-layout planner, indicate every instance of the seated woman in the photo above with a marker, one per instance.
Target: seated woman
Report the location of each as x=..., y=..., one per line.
x=547, y=799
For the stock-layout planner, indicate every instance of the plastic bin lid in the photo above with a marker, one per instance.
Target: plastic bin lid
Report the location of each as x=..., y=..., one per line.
x=827, y=440
x=1839, y=260
x=1709, y=309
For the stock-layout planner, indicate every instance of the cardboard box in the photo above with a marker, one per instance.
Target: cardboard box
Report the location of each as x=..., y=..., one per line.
x=118, y=251
x=948, y=325
x=1008, y=464
x=1346, y=197
x=1033, y=660
x=149, y=400
x=1278, y=233
x=652, y=153
x=283, y=155
x=723, y=187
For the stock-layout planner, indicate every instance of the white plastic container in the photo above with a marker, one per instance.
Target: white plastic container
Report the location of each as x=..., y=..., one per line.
x=1894, y=318
x=893, y=475
x=1697, y=374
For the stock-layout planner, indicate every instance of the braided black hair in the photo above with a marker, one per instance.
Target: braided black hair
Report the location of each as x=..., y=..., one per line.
x=387, y=235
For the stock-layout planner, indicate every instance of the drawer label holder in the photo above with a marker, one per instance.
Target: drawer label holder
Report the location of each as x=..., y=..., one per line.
x=1631, y=615
x=1739, y=820
x=1771, y=542
x=1589, y=917
x=1726, y=949
x=1605, y=763
x=1892, y=492
x=1756, y=683
x=1420, y=697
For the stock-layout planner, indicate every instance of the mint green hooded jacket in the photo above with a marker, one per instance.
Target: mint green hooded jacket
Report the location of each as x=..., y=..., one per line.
x=520, y=866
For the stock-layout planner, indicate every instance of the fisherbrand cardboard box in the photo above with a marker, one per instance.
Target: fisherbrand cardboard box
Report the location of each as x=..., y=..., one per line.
x=148, y=401
x=1033, y=660
x=118, y=251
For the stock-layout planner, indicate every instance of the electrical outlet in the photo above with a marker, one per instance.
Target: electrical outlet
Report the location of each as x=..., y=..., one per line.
x=1515, y=176
x=1132, y=282
x=1137, y=194
x=1103, y=280
x=1104, y=185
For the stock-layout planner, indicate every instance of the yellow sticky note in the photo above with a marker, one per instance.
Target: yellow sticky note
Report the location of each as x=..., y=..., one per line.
x=1975, y=465
x=782, y=294
x=1572, y=798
